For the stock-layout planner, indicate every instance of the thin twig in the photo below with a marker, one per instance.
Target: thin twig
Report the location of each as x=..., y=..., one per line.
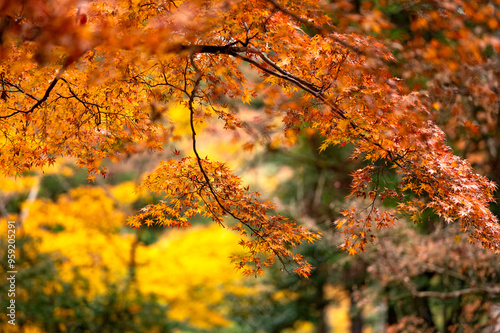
x=197, y=81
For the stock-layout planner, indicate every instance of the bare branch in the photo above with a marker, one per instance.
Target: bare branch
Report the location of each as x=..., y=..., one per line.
x=495, y=290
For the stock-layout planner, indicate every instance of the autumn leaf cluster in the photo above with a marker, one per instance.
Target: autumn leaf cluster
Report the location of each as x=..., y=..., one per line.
x=95, y=80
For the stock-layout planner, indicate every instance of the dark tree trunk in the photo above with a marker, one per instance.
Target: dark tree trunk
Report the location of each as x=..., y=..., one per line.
x=355, y=314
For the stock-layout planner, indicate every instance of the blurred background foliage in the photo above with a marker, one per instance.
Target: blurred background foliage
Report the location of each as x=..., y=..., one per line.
x=81, y=270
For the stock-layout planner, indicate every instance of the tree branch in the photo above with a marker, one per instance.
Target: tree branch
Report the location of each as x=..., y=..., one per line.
x=495, y=290
x=309, y=24
x=43, y=99
x=236, y=51
x=20, y=89
x=192, y=95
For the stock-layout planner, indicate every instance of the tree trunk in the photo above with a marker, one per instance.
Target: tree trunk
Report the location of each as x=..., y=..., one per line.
x=355, y=314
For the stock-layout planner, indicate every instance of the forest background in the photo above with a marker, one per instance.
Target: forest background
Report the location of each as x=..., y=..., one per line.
x=82, y=268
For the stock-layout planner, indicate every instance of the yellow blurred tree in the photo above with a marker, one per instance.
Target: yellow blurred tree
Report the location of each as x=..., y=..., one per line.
x=83, y=231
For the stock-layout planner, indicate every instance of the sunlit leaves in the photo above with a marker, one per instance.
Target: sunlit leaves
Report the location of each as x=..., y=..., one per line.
x=186, y=194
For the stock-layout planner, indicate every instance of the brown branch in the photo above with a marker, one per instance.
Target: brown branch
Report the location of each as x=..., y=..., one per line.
x=197, y=81
x=205, y=176
x=442, y=271
x=236, y=51
x=495, y=290
x=309, y=24
x=491, y=290
x=20, y=89
x=323, y=30
x=43, y=99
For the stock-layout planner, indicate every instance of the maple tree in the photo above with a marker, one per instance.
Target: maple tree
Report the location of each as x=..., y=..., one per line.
x=95, y=79
x=419, y=270
x=448, y=51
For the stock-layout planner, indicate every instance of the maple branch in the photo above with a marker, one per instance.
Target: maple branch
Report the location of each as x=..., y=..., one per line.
x=309, y=87
x=456, y=293
x=43, y=99
x=317, y=92
x=198, y=158
x=197, y=81
x=73, y=94
x=86, y=104
x=20, y=89
x=324, y=30
x=192, y=95
x=236, y=51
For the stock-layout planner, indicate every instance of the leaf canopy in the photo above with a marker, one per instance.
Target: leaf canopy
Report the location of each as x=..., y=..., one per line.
x=95, y=79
